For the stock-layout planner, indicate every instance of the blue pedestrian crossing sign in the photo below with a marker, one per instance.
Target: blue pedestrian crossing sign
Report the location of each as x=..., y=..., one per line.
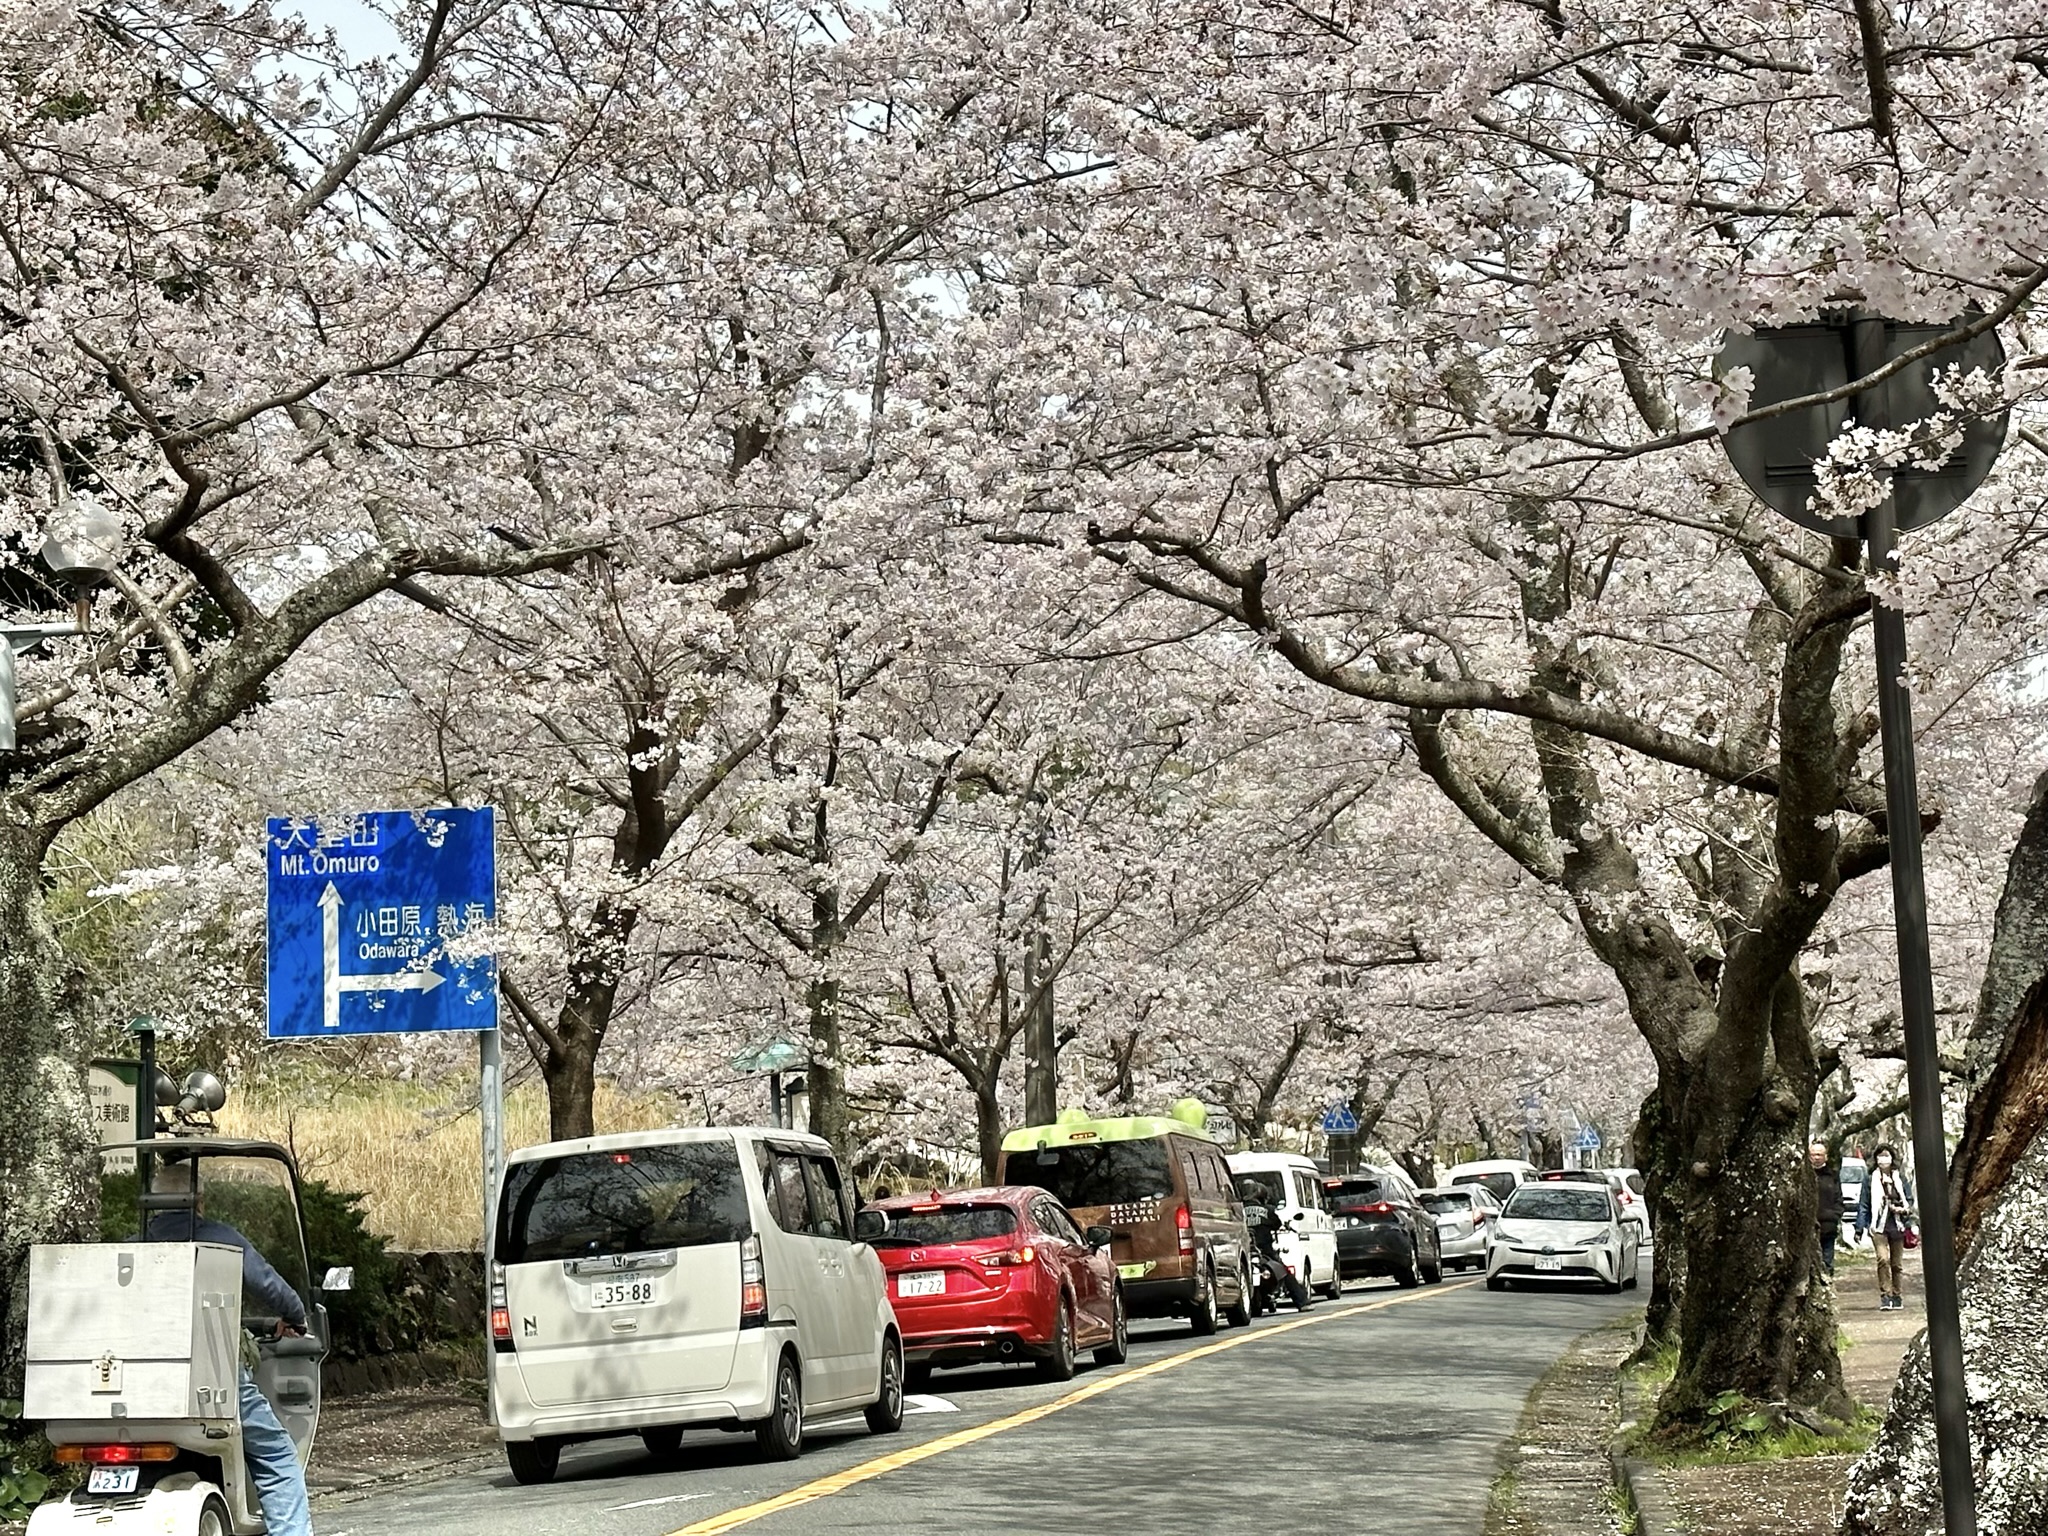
x=382, y=922
x=1338, y=1120
x=1588, y=1139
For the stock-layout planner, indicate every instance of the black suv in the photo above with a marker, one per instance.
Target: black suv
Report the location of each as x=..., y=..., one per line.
x=1382, y=1228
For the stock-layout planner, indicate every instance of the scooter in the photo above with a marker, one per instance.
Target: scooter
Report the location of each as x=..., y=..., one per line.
x=1271, y=1278
x=136, y=1346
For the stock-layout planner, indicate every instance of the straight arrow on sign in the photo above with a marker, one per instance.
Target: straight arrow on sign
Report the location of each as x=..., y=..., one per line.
x=333, y=983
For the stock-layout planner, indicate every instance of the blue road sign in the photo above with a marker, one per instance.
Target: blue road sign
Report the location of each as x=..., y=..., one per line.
x=1588, y=1139
x=380, y=922
x=1339, y=1121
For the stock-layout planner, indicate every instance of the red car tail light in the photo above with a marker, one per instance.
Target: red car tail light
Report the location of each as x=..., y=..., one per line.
x=1009, y=1258
x=501, y=1310
x=501, y=1323
x=1184, y=1222
x=753, y=1285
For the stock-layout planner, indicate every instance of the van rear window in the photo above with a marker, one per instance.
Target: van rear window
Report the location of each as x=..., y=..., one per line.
x=949, y=1224
x=679, y=1195
x=1266, y=1187
x=1095, y=1173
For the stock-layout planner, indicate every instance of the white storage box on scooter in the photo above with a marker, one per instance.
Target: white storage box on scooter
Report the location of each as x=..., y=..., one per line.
x=134, y=1353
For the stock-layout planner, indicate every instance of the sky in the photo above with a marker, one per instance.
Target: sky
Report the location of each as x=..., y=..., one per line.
x=362, y=29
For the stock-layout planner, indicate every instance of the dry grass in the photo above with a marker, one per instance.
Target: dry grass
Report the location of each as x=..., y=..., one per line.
x=412, y=1149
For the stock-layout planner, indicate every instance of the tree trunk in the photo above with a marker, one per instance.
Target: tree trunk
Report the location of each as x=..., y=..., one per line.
x=1753, y=1317
x=988, y=1127
x=571, y=1077
x=826, y=1080
x=1998, y=1190
x=48, y=1176
x=1656, y=1148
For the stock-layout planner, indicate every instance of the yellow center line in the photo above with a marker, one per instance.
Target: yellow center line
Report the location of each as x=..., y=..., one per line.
x=895, y=1461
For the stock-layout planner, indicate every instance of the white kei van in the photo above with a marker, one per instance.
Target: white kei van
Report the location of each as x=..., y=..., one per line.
x=1292, y=1186
x=1502, y=1175
x=651, y=1282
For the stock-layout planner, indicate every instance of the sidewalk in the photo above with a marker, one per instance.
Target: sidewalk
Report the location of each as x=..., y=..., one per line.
x=1795, y=1496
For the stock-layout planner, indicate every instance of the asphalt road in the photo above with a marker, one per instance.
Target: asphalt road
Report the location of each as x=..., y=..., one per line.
x=1383, y=1413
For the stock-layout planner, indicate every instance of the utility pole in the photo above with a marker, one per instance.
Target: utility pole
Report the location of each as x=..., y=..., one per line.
x=1041, y=1044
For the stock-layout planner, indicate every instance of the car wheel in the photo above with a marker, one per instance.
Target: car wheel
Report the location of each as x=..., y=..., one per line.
x=1336, y=1290
x=662, y=1439
x=533, y=1461
x=1202, y=1316
x=1496, y=1282
x=781, y=1434
x=1058, y=1364
x=213, y=1519
x=1239, y=1314
x=1433, y=1271
x=1118, y=1349
x=885, y=1413
x=1409, y=1276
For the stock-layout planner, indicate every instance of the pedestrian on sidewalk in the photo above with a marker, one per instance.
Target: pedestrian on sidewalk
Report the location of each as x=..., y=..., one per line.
x=1885, y=1211
x=1827, y=1184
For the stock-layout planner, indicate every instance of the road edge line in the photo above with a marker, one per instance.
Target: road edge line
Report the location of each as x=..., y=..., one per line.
x=895, y=1461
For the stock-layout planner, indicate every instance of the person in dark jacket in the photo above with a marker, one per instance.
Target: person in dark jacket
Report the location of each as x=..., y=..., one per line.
x=1827, y=1184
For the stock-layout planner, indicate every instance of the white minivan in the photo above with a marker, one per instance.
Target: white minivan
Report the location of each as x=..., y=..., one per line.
x=1502, y=1175
x=650, y=1282
x=1292, y=1186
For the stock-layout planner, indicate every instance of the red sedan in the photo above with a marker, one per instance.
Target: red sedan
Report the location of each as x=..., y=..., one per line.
x=998, y=1274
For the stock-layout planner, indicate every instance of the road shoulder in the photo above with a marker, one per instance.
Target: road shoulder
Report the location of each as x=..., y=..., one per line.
x=1555, y=1478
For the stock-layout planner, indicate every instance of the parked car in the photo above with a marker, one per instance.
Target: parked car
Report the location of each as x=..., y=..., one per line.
x=1502, y=1175
x=1634, y=1209
x=1566, y=1230
x=1292, y=1187
x=1160, y=1185
x=1382, y=1228
x=1855, y=1173
x=1462, y=1214
x=997, y=1274
x=649, y=1282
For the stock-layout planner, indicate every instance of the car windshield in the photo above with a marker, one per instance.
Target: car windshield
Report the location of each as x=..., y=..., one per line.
x=1095, y=1173
x=1352, y=1194
x=1502, y=1184
x=948, y=1224
x=1267, y=1187
x=679, y=1195
x=1557, y=1202
x=1447, y=1205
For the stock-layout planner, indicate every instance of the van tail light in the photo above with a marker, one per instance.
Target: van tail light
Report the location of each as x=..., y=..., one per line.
x=501, y=1311
x=1008, y=1258
x=1184, y=1224
x=753, y=1285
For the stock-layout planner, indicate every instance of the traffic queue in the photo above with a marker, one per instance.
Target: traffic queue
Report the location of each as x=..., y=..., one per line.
x=728, y=1277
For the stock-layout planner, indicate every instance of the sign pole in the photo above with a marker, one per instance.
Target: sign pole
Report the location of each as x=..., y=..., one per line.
x=1923, y=1053
x=1867, y=348
x=491, y=1113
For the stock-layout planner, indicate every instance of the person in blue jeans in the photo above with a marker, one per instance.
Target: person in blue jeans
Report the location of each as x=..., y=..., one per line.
x=267, y=1449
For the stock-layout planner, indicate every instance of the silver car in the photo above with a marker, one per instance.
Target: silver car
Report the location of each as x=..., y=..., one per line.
x=1462, y=1214
x=1562, y=1231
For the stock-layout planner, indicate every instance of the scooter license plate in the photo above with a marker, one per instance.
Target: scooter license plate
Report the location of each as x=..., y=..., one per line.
x=113, y=1479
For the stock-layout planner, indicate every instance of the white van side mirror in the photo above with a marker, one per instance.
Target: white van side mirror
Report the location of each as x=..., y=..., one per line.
x=339, y=1278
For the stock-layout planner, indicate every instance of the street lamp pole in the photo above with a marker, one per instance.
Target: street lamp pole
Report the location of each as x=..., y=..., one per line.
x=13, y=638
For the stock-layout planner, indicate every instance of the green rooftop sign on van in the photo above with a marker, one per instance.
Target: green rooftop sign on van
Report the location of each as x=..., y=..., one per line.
x=1160, y=1184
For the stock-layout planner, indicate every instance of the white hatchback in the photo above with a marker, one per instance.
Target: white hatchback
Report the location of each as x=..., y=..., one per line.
x=647, y=1283
x=1293, y=1187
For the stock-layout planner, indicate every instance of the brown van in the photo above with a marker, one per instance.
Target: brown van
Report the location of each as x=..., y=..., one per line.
x=1162, y=1188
